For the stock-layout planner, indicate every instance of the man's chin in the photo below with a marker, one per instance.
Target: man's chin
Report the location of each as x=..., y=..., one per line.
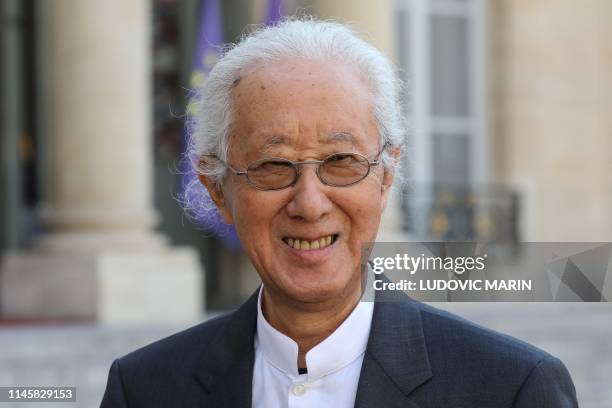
x=322, y=294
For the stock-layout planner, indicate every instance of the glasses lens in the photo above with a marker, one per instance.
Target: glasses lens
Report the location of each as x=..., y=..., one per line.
x=271, y=174
x=344, y=169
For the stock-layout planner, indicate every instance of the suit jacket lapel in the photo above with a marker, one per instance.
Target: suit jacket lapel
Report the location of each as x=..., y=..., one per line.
x=226, y=368
x=396, y=360
x=394, y=365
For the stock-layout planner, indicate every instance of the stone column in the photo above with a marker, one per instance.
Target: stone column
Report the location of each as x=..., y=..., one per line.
x=101, y=258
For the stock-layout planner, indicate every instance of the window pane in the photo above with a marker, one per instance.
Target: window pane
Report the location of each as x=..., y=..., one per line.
x=450, y=66
x=451, y=158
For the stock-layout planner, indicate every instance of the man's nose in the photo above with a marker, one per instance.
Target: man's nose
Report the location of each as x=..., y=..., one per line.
x=309, y=200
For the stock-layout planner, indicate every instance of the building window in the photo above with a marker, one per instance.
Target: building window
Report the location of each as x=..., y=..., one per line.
x=441, y=54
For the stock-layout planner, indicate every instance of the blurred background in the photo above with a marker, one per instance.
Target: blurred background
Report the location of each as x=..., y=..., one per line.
x=508, y=103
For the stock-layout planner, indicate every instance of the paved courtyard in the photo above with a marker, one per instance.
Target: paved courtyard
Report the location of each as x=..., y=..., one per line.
x=80, y=355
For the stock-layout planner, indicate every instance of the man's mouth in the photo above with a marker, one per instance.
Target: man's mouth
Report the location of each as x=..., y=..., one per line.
x=310, y=244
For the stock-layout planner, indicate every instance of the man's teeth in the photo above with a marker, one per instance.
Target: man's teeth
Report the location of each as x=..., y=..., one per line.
x=309, y=244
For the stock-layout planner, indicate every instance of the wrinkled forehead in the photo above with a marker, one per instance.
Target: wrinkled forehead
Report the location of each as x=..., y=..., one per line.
x=300, y=103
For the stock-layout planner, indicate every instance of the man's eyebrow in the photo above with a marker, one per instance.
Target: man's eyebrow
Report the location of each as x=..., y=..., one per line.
x=342, y=137
x=273, y=141
x=277, y=140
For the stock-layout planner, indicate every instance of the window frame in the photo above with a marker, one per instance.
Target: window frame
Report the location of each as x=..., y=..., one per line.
x=423, y=123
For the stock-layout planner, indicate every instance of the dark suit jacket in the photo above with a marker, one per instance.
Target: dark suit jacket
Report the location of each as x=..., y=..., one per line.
x=417, y=356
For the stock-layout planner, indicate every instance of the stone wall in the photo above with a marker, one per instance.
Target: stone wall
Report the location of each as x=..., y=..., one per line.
x=551, y=94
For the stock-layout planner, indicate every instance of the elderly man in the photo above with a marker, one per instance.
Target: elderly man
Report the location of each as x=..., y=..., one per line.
x=298, y=132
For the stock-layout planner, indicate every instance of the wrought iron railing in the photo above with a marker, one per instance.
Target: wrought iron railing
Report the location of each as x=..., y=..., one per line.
x=444, y=212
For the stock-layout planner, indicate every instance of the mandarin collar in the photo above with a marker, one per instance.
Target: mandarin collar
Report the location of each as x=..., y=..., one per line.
x=347, y=343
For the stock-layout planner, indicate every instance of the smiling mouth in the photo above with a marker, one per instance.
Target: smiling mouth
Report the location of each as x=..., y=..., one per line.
x=310, y=244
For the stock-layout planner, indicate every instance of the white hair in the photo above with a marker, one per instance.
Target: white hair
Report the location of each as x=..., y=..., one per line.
x=210, y=107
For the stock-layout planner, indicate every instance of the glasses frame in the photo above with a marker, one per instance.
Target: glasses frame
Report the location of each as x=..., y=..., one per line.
x=298, y=165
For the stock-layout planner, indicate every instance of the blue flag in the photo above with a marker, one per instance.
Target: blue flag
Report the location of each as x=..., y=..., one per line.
x=274, y=12
x=208, y=48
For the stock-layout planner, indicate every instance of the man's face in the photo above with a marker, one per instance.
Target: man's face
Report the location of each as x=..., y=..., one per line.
x=304, y=110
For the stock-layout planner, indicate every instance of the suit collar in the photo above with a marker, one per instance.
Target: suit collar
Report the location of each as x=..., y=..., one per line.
x=396, y=360
x=226, y=367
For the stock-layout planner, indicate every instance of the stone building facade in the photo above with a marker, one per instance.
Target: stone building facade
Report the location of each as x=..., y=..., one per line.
x=544, y=89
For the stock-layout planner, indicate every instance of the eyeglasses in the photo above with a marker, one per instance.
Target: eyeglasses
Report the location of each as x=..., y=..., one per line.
x=337, y=170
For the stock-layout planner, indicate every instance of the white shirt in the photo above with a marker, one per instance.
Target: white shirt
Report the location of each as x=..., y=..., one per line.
x=333, y=365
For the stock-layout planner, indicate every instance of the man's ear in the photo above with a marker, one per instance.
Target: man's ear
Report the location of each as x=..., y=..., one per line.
x=389, y=176
x=216, y=194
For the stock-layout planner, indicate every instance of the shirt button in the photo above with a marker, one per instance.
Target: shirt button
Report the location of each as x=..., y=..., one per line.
x=298, y=389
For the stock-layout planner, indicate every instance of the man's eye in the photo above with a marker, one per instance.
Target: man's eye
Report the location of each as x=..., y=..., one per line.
x=273, y=166
x=278, y=164
x=340, y=157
